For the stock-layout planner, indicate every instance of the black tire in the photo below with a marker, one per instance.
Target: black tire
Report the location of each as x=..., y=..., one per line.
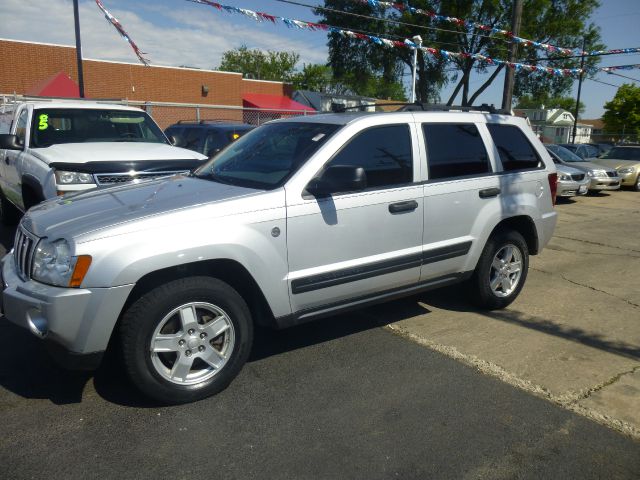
x=150, y=371
x=636, y=186
x=9, y=214
x=480, y=283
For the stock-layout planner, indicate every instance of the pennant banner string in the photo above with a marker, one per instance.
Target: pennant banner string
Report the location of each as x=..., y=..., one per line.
x=114, y=21
x=385, y=42
x=620, y=67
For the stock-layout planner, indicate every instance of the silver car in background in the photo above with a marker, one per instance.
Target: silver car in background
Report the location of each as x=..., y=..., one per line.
x=571, y=181
x=600, y=178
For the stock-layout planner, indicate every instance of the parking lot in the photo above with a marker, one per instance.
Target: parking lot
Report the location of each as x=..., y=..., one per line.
x=417, y=388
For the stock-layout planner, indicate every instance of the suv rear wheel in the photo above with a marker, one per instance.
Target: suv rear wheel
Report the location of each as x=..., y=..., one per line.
x=186, y=340
x=501, y=270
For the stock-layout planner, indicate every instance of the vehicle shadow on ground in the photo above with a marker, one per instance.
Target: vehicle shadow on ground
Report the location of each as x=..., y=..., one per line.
x=452, y=299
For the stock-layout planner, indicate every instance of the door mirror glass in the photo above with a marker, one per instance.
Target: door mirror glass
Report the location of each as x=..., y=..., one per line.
x=338, y=179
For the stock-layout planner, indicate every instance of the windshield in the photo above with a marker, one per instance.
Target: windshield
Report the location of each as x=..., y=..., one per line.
x=623, y=153
x=53, y=126
x=267, y=156
x=564, y=153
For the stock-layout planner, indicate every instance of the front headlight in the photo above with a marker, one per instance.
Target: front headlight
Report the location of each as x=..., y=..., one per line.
x=54, y=265
x=564, y=177
x=70, y=178
x=625, y=171
x=597, y=173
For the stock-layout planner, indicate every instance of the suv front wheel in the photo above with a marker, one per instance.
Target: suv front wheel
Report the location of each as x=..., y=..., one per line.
x=501, y=270
x=186, y=339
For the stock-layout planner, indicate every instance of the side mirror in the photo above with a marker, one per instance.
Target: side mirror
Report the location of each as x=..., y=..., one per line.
x=338, y=179
x=176, y=140
x=10, y=142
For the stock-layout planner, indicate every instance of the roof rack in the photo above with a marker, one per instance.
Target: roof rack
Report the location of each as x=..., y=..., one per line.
x=426, y=107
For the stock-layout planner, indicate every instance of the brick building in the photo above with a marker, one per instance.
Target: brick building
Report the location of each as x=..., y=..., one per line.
x=31, y=63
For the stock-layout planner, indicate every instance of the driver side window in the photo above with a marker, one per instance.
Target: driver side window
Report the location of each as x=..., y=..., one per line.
x=384, y=153
x=21, y=126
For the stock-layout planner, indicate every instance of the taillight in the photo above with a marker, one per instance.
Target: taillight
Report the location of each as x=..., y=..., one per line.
x=553, y=186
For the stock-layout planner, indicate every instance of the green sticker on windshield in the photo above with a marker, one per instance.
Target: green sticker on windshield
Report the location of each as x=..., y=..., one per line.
x=44, y=122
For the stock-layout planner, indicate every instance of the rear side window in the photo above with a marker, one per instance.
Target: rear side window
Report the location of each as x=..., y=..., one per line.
x=383, y=152
x=455, y=150
x=194, y=139
x=516, y=153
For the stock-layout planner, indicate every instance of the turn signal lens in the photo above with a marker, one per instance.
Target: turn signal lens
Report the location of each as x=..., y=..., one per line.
x=80, y=270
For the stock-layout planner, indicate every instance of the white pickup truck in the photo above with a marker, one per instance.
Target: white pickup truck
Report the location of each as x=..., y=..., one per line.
x=51, y=148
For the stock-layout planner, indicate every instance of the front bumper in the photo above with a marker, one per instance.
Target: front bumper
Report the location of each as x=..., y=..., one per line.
x=628, y=179
x=605, y=183
x=75, y=323
x=571, y=188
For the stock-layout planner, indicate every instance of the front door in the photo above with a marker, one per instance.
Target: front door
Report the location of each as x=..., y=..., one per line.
x=356, y=244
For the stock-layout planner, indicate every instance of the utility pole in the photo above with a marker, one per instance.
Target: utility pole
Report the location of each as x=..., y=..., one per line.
x=418, y=41
x=76, y=18
x=509, y=76
x=575, y=117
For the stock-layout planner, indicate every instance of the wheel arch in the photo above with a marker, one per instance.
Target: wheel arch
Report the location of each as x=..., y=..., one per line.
x=524, y=225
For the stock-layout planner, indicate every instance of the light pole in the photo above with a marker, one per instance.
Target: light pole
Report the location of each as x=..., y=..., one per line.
x=418, y=41
x=76, y=18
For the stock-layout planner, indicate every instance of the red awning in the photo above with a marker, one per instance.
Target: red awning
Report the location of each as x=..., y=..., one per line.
x=273, y=102
x=58, y=85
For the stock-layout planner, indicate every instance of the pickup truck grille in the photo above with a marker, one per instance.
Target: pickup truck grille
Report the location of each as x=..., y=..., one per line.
x=24, y=249
x=105, y=179
x=577, y=176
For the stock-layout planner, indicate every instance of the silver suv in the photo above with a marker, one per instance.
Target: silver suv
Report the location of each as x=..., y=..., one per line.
x=299, y=219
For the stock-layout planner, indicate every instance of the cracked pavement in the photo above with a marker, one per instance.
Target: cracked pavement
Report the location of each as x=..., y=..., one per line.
x=573, y=335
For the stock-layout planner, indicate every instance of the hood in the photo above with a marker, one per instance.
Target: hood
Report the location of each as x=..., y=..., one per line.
x=586, y=166
x=616, y=164
x=566, y=169
x=112, y=152
x=96, y=209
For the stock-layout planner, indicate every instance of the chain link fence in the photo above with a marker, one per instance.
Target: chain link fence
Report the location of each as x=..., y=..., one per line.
x=166, y=114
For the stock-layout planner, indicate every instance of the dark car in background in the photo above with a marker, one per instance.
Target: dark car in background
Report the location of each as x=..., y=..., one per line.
x=583, y=150
x=206, y=136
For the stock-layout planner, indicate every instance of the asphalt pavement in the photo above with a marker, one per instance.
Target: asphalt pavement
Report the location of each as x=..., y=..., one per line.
x=344, y=397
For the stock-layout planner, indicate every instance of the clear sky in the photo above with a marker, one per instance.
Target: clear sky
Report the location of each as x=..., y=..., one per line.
x=178, y=32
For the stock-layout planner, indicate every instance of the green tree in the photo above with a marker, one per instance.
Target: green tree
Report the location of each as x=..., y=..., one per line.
x=558, y=22
x=622, y=114
x=567, y=103
x=270, y=65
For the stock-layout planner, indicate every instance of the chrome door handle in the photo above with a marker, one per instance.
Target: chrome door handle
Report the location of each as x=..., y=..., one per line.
x=400, y=207
x=489, y=192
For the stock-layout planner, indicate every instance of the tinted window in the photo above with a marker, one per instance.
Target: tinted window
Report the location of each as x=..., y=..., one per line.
x=383, y=152
x=623, y=153
x=194, y=139
x=455, y=150
x=564, y=154
x=515, y=150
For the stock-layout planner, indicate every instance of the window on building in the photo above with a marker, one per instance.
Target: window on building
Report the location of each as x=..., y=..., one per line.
x=454, y=150
x=516, y=153
x=383, y=152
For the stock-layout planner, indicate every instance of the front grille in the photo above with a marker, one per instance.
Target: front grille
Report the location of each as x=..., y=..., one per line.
x=612, y=174
x=577, y=176
x=104, y=179
x=24, y=249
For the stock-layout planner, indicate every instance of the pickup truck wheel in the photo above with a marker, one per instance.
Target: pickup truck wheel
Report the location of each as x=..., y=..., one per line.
x=9, y=214
x=501, y=270
x=186, y=340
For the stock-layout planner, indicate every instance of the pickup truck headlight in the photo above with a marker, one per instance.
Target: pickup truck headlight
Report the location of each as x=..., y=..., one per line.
x=54, y=265
x=624, y=171
x=70, y=178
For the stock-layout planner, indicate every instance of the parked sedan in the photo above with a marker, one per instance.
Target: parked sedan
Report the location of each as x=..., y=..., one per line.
x=626, y=160
x=601, y=178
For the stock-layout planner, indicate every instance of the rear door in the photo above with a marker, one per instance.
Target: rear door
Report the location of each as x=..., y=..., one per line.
x=461, y=184
x=355, y=244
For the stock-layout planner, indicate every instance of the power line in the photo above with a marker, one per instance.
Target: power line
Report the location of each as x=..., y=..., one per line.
x=623, y=76
x=604, y=83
